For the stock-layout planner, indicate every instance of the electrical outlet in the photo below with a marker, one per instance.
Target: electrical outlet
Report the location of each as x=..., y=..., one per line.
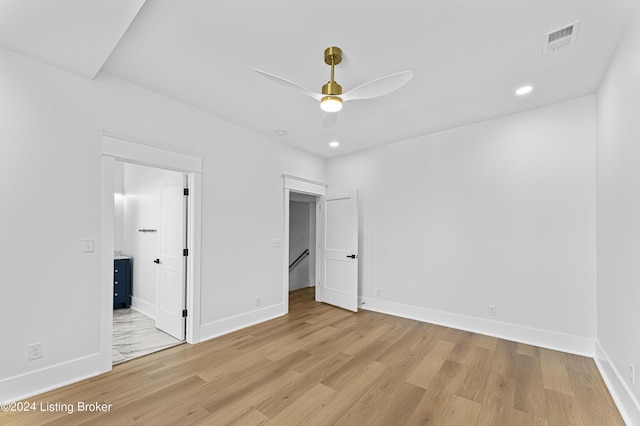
x=492, y=310
x=36, y=351
x=258, y=301
x=378, y=292
x=632, y=374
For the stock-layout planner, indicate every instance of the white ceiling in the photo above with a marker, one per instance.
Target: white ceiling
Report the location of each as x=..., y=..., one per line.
x=467, y=56
x=75, y=35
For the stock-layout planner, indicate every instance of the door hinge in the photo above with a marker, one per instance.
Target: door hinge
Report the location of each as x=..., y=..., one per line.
x=184, y=313
x=186, y=191
x=185, y=252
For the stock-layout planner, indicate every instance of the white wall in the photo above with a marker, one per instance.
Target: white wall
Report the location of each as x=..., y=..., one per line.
x=50, y=139
x=618, y=212
x=299, y=241
x=500, y=212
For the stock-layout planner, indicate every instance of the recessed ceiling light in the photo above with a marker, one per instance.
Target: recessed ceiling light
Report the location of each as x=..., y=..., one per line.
x=281, y=133
x=524, y=90
x=334, y=144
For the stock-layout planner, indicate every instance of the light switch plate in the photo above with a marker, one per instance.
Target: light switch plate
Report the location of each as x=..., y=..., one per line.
x=87, y=245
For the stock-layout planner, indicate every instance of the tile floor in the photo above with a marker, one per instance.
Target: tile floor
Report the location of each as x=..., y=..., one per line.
x=135, y=335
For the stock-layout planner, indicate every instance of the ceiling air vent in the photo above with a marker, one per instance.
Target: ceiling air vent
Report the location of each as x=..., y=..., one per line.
x=565, y=35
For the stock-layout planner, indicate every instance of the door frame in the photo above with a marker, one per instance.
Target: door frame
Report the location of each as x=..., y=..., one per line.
x=117, y=148
x=302, y=186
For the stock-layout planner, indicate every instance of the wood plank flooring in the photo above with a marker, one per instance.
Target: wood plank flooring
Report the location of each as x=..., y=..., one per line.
x=322, y=365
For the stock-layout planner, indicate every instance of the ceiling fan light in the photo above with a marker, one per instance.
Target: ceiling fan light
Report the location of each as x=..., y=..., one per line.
x=331, y=104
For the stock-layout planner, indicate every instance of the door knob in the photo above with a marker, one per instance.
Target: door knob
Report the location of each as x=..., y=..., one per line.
x=156, y=261
x=353, y=256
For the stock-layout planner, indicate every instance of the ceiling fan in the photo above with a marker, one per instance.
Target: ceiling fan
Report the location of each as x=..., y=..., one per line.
x=332, y=98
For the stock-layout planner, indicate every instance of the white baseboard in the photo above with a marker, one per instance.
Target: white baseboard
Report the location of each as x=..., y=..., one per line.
x=533, y=336
x=228, y=325
x=33, y=383
x=623, y=397
x=145, y=308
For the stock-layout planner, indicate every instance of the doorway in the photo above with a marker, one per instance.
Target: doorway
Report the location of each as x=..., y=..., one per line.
x=299, y=189
x=149, y=267
x=302, y=244
x=337, y=237
x=120, y=149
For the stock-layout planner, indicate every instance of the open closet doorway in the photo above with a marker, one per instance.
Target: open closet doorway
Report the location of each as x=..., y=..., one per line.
x=302, y=247
x=150, y=228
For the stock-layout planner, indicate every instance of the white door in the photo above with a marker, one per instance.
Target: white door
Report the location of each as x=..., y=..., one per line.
x=171, y=276
x=339, y=252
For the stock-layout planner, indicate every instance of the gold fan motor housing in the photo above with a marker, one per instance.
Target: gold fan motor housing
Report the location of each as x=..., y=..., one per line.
x=332, y=88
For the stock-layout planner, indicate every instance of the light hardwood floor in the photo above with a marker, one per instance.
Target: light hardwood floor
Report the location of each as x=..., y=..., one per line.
x=323, y=365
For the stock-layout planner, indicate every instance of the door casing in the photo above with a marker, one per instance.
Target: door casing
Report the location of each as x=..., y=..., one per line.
x=302, y=186
x=119, y=148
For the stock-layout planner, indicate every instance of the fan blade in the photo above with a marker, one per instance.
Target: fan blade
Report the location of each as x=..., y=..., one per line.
x=329, y=119
x=290, y=84
x=378, y=87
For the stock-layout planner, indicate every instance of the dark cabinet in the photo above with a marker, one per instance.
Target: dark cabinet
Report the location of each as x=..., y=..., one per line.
x=121, y=283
